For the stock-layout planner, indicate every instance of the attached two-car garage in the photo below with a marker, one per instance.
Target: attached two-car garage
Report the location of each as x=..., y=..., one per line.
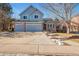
x=28, y=26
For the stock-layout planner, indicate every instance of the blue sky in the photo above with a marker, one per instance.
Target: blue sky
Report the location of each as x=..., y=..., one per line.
x=19, y=7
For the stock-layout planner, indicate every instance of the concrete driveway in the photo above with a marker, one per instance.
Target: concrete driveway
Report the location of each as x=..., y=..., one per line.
x=36, y=43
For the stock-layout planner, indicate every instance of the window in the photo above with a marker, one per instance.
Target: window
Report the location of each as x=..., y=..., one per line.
x=36, y=16
x=25, y=17
x=50, y=25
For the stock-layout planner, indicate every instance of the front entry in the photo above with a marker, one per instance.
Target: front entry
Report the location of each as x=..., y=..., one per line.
x=44, y=27
x=50, y=27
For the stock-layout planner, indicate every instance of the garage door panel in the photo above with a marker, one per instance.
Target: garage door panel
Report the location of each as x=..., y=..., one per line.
x=19, y=27
x=34, y=27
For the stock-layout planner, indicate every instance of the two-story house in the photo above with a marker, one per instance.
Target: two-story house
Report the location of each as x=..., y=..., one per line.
x=31, y=20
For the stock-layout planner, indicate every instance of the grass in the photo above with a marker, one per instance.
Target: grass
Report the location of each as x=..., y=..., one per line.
x=65, y=34
x=69, y=35
x=74, y=40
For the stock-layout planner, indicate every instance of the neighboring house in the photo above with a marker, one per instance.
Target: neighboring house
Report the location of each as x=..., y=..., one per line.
x=75, y=24
x=31, y=20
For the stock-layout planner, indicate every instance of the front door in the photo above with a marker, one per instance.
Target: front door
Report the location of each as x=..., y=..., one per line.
x=44, y=27
x=50, y=27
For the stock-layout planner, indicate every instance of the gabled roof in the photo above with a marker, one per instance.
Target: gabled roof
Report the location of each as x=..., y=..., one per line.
x=35, y=9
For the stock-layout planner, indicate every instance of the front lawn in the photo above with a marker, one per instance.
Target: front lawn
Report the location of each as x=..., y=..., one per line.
x=76, y=40
x=73, y=40
x=71, y=37
x=65, y=34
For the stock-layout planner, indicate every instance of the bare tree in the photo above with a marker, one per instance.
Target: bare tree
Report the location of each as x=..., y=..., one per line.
x=63, y=11
x=5, y=15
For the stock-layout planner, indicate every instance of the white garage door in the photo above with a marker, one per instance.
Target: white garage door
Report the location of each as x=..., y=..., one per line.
x=34, y=27
x=19, y=27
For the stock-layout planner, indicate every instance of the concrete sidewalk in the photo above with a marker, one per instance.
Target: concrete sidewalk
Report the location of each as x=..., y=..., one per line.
x=37, y=49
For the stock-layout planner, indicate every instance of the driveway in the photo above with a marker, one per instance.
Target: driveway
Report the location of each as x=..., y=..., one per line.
x=25, y=38
x=32, y=43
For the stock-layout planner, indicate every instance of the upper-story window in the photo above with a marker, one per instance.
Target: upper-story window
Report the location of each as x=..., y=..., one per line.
x=36, y=16
x=25, y=17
